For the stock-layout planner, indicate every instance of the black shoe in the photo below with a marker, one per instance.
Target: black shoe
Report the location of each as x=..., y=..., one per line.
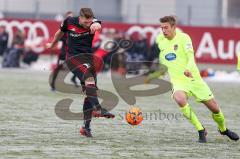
x=53, y=89
x=202, y=136
x=73, y=79
x=102, y=113
x=232, y=135
x=85, y=132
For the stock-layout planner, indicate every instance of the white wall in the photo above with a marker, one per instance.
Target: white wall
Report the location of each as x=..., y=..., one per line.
x=195, y=12
x=29, y=6
x=147, y=11
x=189, y=12
x=26, y=6
x=53, y=6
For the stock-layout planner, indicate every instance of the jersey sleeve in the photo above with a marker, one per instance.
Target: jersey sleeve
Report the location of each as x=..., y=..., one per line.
x=188, y=49
x=64, y=25
x=158, y=73
x=154, y=75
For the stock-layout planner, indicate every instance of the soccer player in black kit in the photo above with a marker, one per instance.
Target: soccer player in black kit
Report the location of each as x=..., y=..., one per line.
x=61, y=59
x=80, y=60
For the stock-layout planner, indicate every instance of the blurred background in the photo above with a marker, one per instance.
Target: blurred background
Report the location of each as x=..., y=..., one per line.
x=27, y=25
x=189, y=12
x=31, y=126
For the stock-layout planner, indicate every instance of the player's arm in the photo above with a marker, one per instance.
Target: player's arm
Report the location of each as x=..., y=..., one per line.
x=157, y=74
x=188, y=48
x=59, y=34
x=95, y=26
x=160, y=72
x=154, y=75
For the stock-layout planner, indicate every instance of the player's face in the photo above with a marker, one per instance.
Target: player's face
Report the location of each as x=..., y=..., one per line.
x=168, y=30
x=85, y=22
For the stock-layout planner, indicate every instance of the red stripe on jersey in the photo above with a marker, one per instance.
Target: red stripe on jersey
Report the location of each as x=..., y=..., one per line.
x=77, y=29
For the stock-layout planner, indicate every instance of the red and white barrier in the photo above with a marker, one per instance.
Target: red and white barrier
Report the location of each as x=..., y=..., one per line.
x=212, y=44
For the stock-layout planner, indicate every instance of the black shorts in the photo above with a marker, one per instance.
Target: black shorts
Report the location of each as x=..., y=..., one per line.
x=81, y=68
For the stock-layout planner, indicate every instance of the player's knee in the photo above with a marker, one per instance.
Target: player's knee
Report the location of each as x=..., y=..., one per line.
x=89, y=80
x=180, y=99
x=216, y=109
x=90, y=87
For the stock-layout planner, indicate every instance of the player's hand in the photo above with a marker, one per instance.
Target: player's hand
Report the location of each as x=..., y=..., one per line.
x=188, y=73
x=95, y=27
x=49, y=46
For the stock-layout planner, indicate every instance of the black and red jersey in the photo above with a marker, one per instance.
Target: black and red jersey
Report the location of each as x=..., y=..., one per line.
x=62, y=55
x=78, y=39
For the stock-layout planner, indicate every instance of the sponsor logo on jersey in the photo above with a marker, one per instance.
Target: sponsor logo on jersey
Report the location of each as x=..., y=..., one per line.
x=170, y=56
x=78, y=35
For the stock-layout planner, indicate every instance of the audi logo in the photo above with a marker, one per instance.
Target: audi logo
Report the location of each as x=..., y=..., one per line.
x=33, y=28
x=152, y=31
x=144, y=31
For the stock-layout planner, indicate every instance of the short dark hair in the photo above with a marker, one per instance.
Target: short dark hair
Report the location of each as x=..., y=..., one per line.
x=169, y=19
x=86, y=12
x=68, y=13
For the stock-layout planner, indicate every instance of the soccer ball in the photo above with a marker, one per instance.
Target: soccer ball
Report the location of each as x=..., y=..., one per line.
x=134, y=116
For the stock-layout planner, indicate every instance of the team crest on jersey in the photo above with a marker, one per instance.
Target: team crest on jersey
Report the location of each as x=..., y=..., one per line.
x=175, y=47
x=170, y=56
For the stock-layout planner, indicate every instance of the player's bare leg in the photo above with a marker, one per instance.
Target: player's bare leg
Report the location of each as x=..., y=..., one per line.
x=181, y=99
x=218, y=117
